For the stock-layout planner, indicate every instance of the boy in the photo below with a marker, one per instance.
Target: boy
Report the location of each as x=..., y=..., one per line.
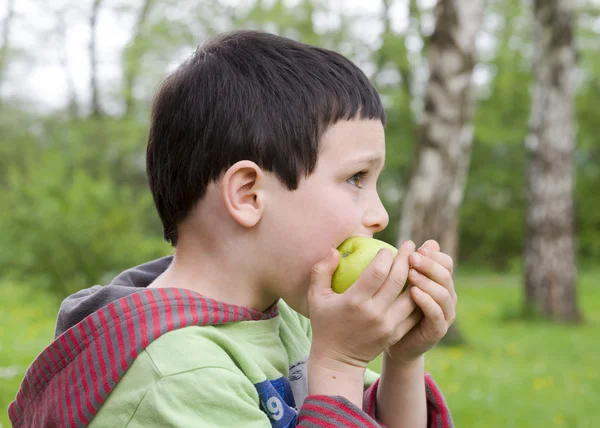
x=263, y=156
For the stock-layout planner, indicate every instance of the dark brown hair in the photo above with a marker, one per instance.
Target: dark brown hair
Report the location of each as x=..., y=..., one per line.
x=247, y=95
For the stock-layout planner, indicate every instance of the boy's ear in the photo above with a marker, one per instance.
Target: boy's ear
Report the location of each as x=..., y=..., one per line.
x=242, y=188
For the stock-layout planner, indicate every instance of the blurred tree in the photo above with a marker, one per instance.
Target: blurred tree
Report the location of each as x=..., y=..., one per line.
x=5, y=29
x=439, y=172
x=93, y=52
x=63, y=59
x=132, y=56
x=438, y=175
x=550, y=272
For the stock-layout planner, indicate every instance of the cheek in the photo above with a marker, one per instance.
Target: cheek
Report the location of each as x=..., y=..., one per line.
x=309, y=225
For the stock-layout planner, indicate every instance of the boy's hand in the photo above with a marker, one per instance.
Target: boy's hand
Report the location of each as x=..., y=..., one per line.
x=351, y=329
x=433, y=291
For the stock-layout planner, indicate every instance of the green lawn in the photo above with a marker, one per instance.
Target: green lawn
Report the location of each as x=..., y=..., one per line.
x=511, y=373
x=516, y=373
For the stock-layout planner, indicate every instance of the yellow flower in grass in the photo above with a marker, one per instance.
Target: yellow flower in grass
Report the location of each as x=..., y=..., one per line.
x=512, y=349
x=453, y=388
x=543, y=383
x=456, y=353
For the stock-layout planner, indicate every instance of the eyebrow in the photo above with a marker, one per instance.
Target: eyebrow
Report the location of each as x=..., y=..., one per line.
x=374, y=161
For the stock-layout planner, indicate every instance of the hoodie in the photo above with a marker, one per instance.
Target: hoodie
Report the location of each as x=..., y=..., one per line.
x=127, y=355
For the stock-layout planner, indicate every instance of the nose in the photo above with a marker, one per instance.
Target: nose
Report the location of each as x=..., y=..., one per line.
x=375, y=218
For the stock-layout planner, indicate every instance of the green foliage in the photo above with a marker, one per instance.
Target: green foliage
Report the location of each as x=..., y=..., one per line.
x=76, y=187
x=71, y=221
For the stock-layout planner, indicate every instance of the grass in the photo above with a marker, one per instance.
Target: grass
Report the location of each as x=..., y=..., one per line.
x=514, y=373
x=26, y=327
x=511, y=373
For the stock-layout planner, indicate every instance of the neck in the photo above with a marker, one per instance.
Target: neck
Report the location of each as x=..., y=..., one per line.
x=215, y=274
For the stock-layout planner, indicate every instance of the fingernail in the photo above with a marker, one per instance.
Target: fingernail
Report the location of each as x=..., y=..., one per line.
x=413, y=273
x=423, y=251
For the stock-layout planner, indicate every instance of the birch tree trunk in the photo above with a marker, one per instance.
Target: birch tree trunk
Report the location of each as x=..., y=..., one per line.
x=438, y=174
x=132, y=58
x=550, y=272
x=96, y=109
x=6, y=31
x=63, y=59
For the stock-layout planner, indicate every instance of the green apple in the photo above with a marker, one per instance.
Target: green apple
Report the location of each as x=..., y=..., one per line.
x=355, y=255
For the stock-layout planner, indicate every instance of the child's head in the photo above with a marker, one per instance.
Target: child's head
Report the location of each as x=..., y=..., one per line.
x=269, y=145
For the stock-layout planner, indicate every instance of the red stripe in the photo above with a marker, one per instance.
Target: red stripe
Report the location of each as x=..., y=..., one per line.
x=155, y=316
x=236, y=313
x=348, y=410
x=316, y=406
x=90, y=360
x=54, y=387
x=225, y=313
x=118, y=332
x=313, y=421
x=110, y=350
x=82, y=372
x=61, y=397
x=55, y=367
x=216, y=313
x=34, y=376
x=102, y=367
x=78, y=373
x=204, y=311
x=370, y=397
x=168, y=309
x=68, y=386
x=78, y=346
x=192, y=302
x=64, y=346
x=131, y=326
x=440, y=409
x=51, y=390
x=180, y=308
x=143, y=327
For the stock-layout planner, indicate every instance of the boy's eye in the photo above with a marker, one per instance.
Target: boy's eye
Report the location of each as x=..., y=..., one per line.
x=357, y=178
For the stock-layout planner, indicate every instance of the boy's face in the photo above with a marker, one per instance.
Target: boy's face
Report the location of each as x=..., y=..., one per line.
x=337, y=201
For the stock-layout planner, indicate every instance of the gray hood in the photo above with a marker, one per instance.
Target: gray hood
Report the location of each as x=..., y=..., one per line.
x=85, y=302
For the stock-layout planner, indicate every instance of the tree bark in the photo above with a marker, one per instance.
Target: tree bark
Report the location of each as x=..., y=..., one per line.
x=96, y=108
x=132, y=59
x=61, y=31
x=438, y=174
x=550, y=271
x=6, y=27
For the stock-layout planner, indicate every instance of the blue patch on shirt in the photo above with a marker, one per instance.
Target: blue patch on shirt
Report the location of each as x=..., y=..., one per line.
x=277, y=401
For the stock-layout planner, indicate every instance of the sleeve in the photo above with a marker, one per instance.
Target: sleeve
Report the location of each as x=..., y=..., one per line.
x=218, y=397
x=438, y=414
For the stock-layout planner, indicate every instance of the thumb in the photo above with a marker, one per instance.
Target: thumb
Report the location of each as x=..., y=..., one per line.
x=320, y=276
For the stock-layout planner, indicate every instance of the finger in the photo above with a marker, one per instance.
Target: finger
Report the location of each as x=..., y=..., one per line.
x=407, y=325
x=371, y=279
x=433, y=270
x=438, y=257
x=440, y=294
x=401, y=308
x=435, y=325
x=431, y=244
x=321, y=273
x=396, y=279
